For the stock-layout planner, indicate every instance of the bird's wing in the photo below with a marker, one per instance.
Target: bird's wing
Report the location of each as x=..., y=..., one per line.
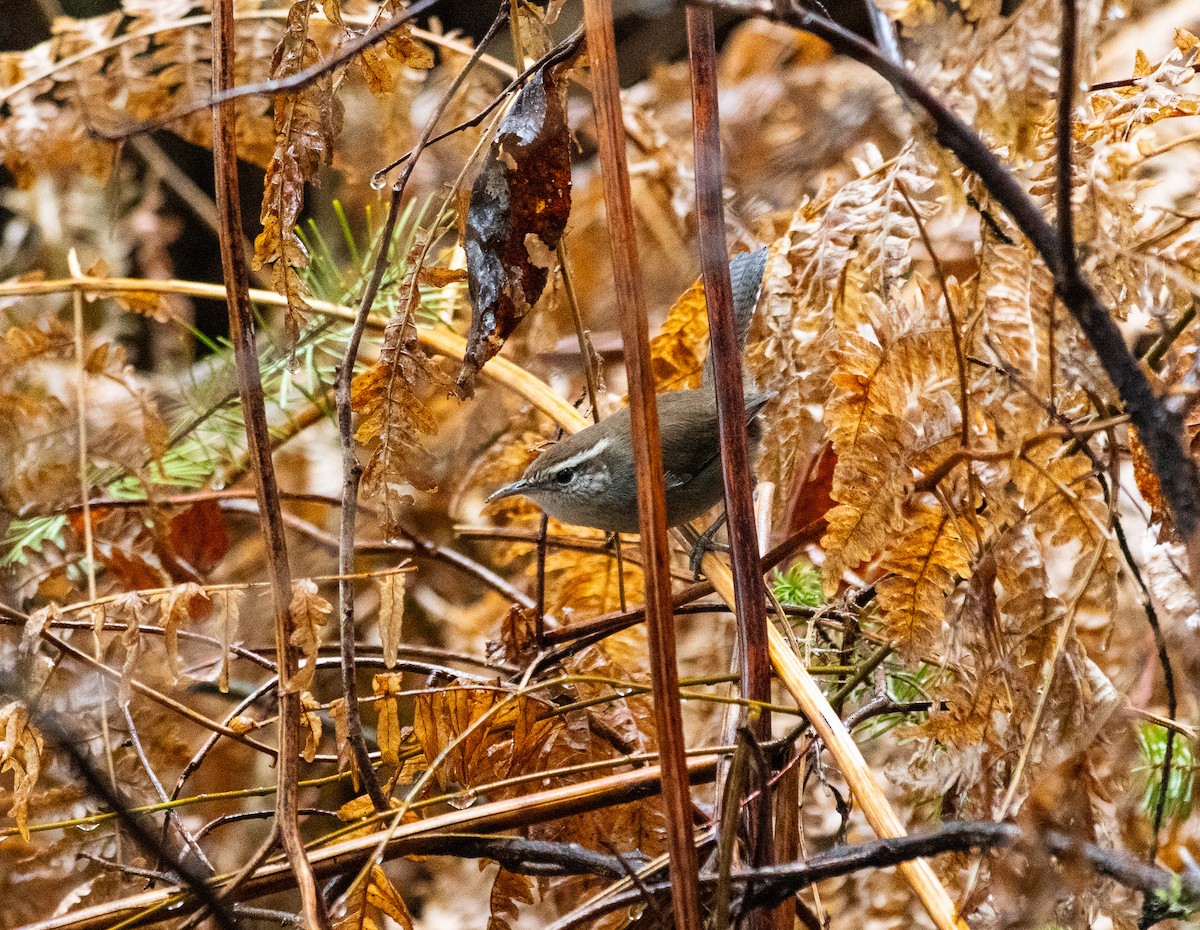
x=696, y=445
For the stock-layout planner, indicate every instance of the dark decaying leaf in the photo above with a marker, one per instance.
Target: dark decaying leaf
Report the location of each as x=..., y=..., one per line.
x=518, y=211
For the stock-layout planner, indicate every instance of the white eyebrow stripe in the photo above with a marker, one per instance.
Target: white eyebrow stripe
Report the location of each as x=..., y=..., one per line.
x=580, y=457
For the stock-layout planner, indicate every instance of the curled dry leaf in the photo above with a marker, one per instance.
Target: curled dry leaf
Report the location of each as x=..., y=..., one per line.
x=387, y=721
x=391, y=614
x=310, y=721
x=133, y=608
x=20, y=753
x=379, y=66
x=230, y=616
x=177, y=605
x=925, y=565
x=307, y=122
x=519, y=208
x=243, y=724
x=310, y=612
x=341, y=738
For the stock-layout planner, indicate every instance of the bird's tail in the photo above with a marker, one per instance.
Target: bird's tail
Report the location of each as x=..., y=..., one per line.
x=746, y=276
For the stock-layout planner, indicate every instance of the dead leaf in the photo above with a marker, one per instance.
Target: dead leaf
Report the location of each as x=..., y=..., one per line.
x=521, y=198
x=341, y=736
x=387, y=720
x=309, y=613
x=20, y=753
x=509, y=889
x=391, y=614
x=310, y=722
x=230, y=618
x=176, y=606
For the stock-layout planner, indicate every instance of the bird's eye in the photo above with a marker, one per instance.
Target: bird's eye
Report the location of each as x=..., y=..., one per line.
x=564, y=476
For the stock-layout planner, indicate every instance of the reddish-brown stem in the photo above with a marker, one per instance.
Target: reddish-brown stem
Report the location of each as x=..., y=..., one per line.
x=753, y=653
x=652, y=510
x=241, y=334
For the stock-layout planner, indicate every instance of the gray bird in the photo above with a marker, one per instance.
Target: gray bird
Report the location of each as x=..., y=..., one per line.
x=589, y=479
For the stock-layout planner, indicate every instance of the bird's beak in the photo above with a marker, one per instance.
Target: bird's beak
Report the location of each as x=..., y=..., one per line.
x=517, y=487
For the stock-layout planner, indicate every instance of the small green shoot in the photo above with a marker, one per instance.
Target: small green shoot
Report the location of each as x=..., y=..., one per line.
x=799, y=586
x=1152, y=752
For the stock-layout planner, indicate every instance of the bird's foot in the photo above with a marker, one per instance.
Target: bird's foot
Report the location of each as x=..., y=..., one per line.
x=704, y=543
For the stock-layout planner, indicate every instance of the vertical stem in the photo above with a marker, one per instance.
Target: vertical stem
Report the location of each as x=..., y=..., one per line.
x=241, y=334
x=652, y=511
x=85, y=490
x=755, y=664
x=1068, y=41
x=351, y=469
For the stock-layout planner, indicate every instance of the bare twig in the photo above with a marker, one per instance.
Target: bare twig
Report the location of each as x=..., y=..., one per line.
x=172, y=815
x=774, y=884
x=241, y=331
x=1068, y=50
x=351, y=469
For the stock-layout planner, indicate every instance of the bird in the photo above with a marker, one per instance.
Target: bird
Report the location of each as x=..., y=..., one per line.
x=589, y=479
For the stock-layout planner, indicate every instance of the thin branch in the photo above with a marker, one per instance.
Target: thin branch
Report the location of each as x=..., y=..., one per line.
x=351, y=468
x=241, y=330
x=172, y=815
x=1068, y=52
x=774, y=884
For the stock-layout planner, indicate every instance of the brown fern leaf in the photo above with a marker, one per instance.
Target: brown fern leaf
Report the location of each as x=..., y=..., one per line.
x=482, y=736
x=307, y=122
x=380, y=65
x=879, y=387
x=509, y=890
x=1061, y=494
x=584, y=584
x=676, y=357
x=393, y=417
x=21, y=747
x=142, y=62
x=370, y=898
x=857, y=238
x=925, y=564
